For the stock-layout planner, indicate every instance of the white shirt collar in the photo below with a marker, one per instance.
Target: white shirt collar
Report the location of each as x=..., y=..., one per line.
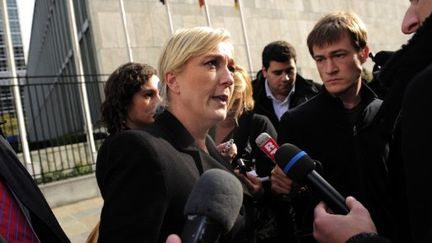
x=280, y=107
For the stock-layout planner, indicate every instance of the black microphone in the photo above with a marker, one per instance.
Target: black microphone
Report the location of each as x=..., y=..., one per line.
x=300, y=167
x=212, y=207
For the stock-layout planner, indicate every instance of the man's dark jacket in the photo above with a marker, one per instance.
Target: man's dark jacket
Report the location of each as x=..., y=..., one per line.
x=19, y=181
x=353, y=156
x=406, y=119
x=305, y=89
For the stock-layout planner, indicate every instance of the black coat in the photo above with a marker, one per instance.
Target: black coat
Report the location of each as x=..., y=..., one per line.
x=353, y=156
x=19, y=181
x=304, y=90
x=416, y=127
x=145, y=178
x=405, y=116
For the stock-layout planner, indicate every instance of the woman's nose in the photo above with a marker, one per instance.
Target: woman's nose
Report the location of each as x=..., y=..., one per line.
x=227, y=77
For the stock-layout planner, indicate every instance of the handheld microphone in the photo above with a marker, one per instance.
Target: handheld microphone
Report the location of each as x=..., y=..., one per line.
x=267, y=144
x=300, y=167
x=212, y=207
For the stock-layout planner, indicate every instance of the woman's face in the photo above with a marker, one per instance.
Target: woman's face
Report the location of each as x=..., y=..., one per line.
x=203, y=87
x=142, y=108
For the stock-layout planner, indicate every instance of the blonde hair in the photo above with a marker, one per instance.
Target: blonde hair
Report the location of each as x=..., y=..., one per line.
x=184, y=45
x=242, y=88
x=331, y=28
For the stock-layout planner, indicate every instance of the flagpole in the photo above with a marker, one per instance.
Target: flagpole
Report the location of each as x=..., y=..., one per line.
x=81, y=81
x=125, y=30
x=245, y=36
x=169, y=16
x=15, y=84
x=207, y=14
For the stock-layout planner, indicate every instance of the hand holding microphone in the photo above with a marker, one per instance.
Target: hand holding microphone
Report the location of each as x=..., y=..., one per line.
x=228, y=150
x=333, y=228
x=297, y=165
x=280, y=183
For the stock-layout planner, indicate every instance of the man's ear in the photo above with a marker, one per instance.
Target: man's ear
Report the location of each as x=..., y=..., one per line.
x=171, y=81
x=264, y=71
x=364, y=54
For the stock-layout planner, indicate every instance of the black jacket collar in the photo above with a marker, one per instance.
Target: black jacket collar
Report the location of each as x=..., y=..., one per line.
x=369, y=99
x=398, y=72
x=366, y=93
x=411, y=58
x=182, y=140
x=177, y=134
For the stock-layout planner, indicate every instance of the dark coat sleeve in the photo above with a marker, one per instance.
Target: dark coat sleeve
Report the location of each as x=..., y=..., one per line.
x=288, y=130
x=416, y=123
x=132, y=185
x=16, y=176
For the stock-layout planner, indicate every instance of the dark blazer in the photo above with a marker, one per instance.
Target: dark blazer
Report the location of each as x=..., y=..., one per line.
x=305, y=89
x=145, y=178
x=353, y=154
x=19, y=181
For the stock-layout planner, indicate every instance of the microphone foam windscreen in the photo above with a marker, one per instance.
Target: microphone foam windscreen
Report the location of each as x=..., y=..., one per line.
x=262, y=138
x=218, y=195
x=295, y=162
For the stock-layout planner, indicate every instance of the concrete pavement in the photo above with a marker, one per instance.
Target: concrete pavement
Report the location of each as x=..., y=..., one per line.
x=78, y=219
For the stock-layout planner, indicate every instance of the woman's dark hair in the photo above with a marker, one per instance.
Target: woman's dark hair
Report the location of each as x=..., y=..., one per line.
x=121, y=86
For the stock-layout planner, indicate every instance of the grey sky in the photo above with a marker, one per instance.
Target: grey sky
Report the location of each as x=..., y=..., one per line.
x=25, y=9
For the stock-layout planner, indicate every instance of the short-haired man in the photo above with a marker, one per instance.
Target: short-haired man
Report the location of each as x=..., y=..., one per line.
x=335, y=126
x=278, y=86
x=406, y=114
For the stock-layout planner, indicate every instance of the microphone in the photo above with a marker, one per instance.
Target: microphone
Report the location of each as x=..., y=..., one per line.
x=300, y=167
x=212, y=207
x=267, y=144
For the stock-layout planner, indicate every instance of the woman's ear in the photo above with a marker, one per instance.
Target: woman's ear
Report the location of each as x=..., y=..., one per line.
x=172, y=83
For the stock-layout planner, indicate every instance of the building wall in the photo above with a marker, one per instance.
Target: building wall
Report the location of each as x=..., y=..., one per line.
x=53, y=95
x=103, y=43
x=266, y=21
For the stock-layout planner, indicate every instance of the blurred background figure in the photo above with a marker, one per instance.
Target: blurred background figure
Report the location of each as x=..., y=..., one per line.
x=25, y=215
x=131, y=100
x=244, y=126
x=271, y=218
x=278, y=86
x=131, y=97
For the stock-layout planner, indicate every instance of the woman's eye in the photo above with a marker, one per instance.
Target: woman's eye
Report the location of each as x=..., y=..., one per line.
x=231, y=69
x=149, y=95
x=212, y=63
